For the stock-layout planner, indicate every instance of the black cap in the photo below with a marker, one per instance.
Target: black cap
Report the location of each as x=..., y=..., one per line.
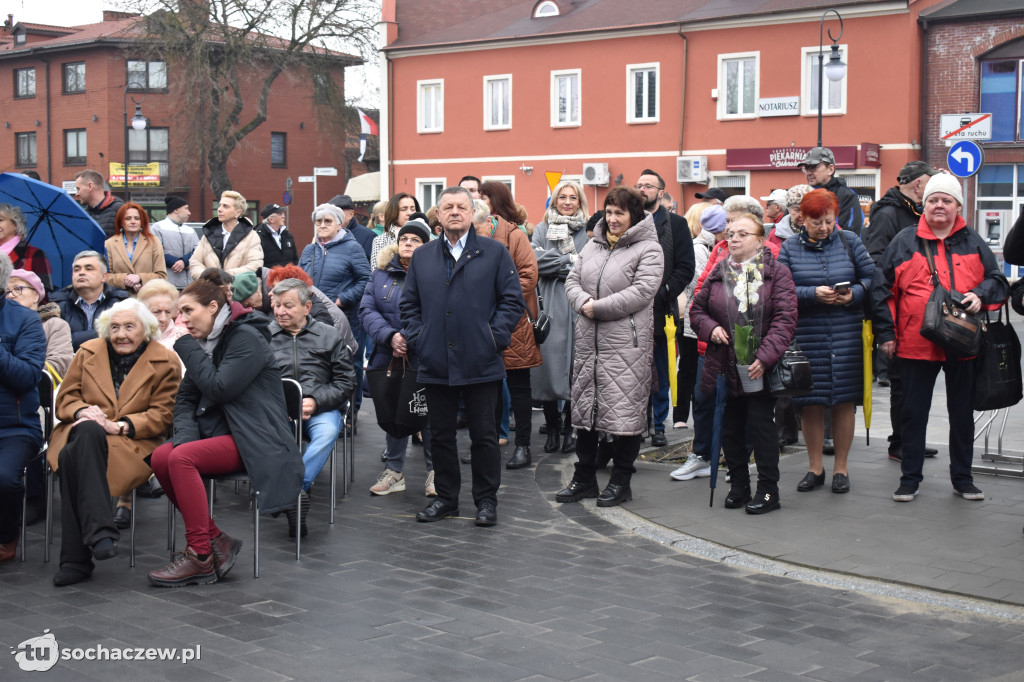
x=343, y=201
x=173, y=203
x=913, y=170
x=712, y=193
x=271, y=209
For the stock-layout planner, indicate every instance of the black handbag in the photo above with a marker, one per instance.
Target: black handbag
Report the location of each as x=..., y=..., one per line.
x=791, y=376
x=947, y=324
x=398, y=399
x=997, y=377
x=541, y=325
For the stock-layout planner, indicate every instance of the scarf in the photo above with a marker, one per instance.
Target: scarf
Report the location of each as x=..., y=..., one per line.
x=613, y=239
x=209, y=344
x=121, y=365
x=405, y=262
x=9, y=245
x=561, y=229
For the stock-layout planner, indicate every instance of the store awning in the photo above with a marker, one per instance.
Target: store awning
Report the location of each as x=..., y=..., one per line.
x=365, y=187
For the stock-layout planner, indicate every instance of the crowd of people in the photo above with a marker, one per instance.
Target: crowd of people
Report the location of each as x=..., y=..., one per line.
x=170, y=348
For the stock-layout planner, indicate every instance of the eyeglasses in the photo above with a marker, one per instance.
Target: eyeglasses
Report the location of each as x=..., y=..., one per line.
x=738, y=235
x=14, y=292
x=647, y=185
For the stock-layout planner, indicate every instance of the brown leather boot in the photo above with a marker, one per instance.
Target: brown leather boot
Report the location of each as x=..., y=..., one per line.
x=8, y=550
x=185, y=569
x=225, y=551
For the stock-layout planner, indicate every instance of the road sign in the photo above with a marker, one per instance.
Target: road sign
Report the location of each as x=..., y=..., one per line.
x=965, y=127
x=288, y=184
x=325, y=171
x=287, y=198
x=964, y=159
x=307, y=178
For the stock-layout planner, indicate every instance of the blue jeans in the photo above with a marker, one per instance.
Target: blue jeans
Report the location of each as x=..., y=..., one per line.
x=395, y=455
x=662, y=399
x=322, y=429
x=16, y=453
x=703, y=416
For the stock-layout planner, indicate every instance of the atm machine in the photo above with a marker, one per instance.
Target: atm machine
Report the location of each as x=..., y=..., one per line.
x=992, y=225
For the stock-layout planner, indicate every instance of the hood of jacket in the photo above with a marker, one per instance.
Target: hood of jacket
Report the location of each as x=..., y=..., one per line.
x=385, y=257
x=48, y=310
x=894, y=197
x=241, y=315
x=705, y=238
x=213, y=227
x=643, y=230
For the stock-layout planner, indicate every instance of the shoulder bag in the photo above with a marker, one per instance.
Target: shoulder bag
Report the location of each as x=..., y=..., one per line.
x=947, y=324
x=997, y=377
x=791, y=375
x=541, y=325
x=398, y=399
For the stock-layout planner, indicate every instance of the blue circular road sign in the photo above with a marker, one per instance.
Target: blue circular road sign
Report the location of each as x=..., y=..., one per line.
x=965, y=159
x=287, y=198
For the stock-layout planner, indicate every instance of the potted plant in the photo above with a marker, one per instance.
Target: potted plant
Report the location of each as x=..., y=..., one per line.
x=745, y=310
x=745, y=343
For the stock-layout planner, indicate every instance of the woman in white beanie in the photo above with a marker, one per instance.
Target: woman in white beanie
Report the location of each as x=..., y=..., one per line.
x=901, y=288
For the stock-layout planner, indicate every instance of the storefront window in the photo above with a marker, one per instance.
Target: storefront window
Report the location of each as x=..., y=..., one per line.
x=995, y=181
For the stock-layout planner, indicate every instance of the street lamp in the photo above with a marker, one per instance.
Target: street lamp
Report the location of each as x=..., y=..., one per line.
x=139, y=122
x=836, y=69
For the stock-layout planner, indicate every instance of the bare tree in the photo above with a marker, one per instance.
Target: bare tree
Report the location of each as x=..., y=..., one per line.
x=227, y=54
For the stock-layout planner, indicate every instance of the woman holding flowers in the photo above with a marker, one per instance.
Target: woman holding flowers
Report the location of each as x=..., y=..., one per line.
x=832, y=272
x=746, y=313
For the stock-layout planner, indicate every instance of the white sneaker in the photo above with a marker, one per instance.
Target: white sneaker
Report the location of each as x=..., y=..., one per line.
x=389, y=482
x=695, y=467
x=428, y=487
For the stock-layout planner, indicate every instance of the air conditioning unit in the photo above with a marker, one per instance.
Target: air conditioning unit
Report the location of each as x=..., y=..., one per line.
x=692, y=169
x=595, y=174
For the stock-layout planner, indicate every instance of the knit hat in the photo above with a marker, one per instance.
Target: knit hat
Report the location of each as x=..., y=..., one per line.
x=173, y=203
x=796, y=193
x=417, y=227
x=331, y=209
x=32, y=279
x=945, y=183
x=245, y=285
x=713, y=219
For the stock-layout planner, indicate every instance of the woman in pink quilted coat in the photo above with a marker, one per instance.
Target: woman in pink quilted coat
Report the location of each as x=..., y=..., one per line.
x=612, y=287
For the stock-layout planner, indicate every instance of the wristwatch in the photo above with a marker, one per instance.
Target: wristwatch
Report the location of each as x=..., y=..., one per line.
x=122, y=428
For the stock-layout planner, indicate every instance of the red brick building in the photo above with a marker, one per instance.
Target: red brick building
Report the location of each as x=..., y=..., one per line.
x=62, y=93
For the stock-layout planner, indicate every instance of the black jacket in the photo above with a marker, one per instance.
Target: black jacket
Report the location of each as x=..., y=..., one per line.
x=1013, y=245
x=851, y=216
x=75, y=317
x=364, y=236
x=105, y=213
x=318, y=359
x=273, y=255
x=890, y=214
x=238, y=392
x=677, y=244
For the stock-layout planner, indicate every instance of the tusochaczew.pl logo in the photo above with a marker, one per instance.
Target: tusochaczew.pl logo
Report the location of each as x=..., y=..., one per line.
x=39, y=654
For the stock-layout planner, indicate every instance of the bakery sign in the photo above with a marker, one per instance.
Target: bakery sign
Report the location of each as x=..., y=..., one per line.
x=865, y=155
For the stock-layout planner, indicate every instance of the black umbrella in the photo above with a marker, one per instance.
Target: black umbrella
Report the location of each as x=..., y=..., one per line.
x=721, y=394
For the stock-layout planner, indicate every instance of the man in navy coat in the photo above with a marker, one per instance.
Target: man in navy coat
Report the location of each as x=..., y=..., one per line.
x=461, y=301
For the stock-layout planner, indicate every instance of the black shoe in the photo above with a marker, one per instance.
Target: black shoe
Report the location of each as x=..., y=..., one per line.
x=811, y=481
x=840, y=483
x=151, y=488
x=737, y=497
x=569, y=442
x=576, y=491
x=551, y=444
x=299, y=517
x=520, y=458
x=783, y=442
x=896, y=453
x=437, y=510
x=543, y=429
x=460, y=422
x=658, y=440
x=104, y=549
x=930, y=452
x=487, y=513
x=828, y=447
x=123, y=517
x=68, y=575
x=883, y=381
x=614, y=495
x=763, y=503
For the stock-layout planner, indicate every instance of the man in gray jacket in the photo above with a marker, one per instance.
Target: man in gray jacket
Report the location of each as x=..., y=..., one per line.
x=313, y=354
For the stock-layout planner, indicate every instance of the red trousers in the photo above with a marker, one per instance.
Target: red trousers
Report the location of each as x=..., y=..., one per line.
x=180, y=470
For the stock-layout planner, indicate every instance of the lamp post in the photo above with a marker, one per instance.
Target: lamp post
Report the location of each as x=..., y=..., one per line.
x=836, y=69
x=139, y=122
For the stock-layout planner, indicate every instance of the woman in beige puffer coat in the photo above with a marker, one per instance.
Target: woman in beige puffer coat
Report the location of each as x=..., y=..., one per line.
x=612, y=287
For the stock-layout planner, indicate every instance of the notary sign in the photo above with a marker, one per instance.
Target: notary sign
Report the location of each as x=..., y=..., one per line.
x=778, y=106
x=965, y=127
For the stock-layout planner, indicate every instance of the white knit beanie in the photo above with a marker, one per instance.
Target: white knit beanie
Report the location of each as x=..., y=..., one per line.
x=945, y=183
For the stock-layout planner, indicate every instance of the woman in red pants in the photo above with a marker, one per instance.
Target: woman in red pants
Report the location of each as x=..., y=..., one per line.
x=229, y=414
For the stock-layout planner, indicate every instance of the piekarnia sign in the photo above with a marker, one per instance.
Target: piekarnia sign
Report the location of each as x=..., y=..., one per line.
x=778, y=106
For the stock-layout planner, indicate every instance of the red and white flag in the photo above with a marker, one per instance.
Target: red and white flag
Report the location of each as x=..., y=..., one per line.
x=367, y=127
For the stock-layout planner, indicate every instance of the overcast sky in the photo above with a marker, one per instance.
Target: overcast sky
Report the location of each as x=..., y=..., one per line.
x=362, y=83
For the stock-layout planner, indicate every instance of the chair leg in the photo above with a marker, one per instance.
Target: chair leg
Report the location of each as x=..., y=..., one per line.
x=212, y=493
x=48, y=533
x=171, y=523
x=24, y=510
x=131, y=552
x=255, y=534
x=334, y=482
x=298, y=527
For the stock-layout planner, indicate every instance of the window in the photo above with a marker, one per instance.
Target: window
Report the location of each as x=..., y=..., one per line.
x=498, y=102
x=278, y=150
x=430, y=105
x=20, y=38
x=507, y=180
x=546, y=9
x=147, y=75
x=834, y=99
x=24, y=82
x=151, y=144
x=1002, y=96
x=26, y=149
x=74, y=147
x=565, y=98
x=737, y=85
x=428, y=190
x=642, y=93
x=732, y=183
x=74, y=77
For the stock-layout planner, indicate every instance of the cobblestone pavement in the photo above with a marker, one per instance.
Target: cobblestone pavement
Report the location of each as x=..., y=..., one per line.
x=553, y=592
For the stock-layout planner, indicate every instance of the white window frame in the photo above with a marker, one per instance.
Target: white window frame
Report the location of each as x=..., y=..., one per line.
x=555, y=123
x=422, y=182
x=723, y=84
x=488, y=125
x=546, y=9
x=809, y=105
x=631, y=70
x=421, y=87
x=509, y=180
x=714, y=176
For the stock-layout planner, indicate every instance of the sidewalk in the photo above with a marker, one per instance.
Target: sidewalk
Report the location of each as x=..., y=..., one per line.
x=939, y=541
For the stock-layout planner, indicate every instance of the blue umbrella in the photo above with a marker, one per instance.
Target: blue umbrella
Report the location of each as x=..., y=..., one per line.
x=56, y=224
x=721, y=395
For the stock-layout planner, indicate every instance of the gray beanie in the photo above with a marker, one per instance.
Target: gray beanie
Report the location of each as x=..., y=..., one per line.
x=333, y=210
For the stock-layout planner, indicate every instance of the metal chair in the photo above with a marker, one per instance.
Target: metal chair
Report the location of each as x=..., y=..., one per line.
x=47, y=393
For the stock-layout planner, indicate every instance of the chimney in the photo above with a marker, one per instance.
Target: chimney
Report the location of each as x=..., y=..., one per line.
x=9, y=24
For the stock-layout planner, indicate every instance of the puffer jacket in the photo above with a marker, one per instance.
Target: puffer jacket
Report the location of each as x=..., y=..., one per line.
x=318, y=359
x=851, y=215
x=59, y=349
x=22, y=355
x=105, y=212
x=702, y=245
x=829, y=335
x=611, y=373
x=379, y=311
x=523, y=352
x=709, y=310
x=902, y=284
x=244, y=251
x=890, y=214
x=340, y=270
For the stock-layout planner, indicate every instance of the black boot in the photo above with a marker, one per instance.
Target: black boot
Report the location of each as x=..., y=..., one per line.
x=569, y=440
x=520, y=458
x=551, y=445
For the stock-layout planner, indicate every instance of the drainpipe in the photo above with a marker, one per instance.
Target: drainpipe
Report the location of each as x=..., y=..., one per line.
x=682, y=91
x=49, y=146
x=924, y=90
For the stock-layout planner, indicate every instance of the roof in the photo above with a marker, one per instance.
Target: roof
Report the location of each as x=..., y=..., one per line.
x=420, y=24
x=972, y=9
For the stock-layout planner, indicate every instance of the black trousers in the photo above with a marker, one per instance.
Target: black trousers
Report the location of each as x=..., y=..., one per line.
x=750, y=419
x=624, y=453
x=895, y=401
x=555, y=419
x=920, y=383
x=686, y=377
x=521, y=404
x=86, y=516
x=443, y=404
x=15, y=453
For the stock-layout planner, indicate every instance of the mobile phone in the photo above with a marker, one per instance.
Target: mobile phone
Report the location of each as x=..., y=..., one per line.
x=841, y=287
